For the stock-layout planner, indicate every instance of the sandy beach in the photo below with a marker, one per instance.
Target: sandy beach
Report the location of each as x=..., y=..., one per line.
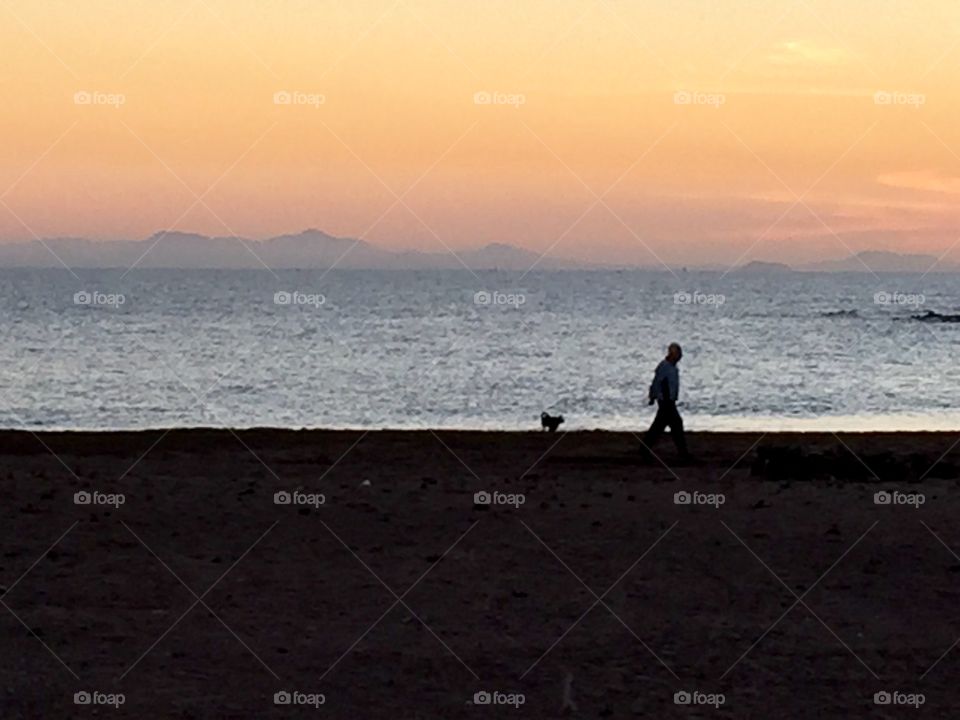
x=381, y=580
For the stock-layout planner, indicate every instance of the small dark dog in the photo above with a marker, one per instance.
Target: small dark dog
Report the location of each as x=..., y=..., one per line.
x=548, y=422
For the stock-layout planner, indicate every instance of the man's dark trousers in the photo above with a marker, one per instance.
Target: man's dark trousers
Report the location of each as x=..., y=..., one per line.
x=667, y=417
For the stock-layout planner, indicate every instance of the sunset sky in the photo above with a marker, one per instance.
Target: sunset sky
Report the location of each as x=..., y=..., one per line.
x=688, y=131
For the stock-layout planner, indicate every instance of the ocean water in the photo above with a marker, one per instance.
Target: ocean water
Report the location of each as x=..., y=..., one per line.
x=484, y=350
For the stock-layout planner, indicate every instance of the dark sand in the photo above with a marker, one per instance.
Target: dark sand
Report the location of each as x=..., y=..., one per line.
x=502, y=598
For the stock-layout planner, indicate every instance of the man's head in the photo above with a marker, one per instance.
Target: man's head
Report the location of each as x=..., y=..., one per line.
x=674, y=353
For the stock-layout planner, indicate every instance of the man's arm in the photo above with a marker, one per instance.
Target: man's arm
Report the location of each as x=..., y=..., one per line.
x=666, y=388
x=657, y=386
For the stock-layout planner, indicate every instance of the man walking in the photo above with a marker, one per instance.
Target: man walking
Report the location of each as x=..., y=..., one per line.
x=665, y=390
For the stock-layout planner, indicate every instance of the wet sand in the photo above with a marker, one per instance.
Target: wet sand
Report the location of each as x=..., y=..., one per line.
x=401, y=597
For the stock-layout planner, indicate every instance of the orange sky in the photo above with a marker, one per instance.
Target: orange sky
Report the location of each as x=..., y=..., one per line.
x=689, y=131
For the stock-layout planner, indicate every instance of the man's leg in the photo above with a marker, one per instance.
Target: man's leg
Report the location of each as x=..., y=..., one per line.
x=660, y=423
x=676, y=431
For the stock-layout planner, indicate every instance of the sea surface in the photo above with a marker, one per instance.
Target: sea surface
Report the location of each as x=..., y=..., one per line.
x=478, y=350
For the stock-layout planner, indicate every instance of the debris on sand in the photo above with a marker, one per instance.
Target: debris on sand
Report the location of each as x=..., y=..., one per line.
x=568, y=703
x=794, y=462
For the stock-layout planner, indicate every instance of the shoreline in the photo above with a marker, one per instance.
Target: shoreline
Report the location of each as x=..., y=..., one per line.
x=266, y=429
x=718, y=446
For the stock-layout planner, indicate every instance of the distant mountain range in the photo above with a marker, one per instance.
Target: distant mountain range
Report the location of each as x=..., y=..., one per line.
x=314, y=249
x=876, y=261
x=308, y=249
x=879, y=261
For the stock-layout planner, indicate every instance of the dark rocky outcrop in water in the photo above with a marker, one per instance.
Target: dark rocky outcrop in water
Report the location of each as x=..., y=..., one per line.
x=932, y=316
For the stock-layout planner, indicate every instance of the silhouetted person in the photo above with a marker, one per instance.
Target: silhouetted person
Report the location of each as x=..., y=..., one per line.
x=665, y=390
